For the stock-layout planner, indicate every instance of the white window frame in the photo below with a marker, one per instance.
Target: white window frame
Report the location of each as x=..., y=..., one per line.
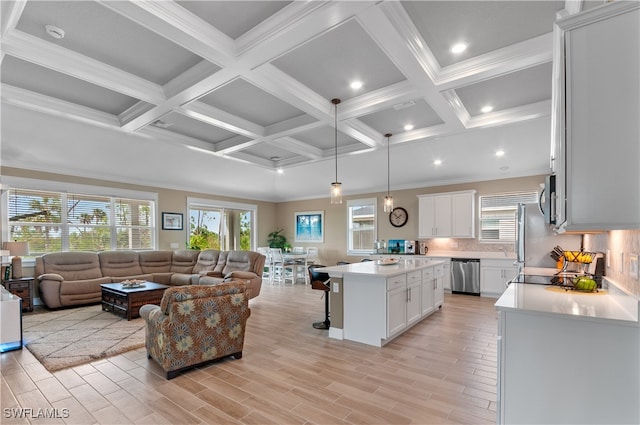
x=212, y=203
x=518, y=197
x=24, y=183
x=360, y=202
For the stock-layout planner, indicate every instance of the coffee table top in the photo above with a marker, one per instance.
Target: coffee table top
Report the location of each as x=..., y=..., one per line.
x=148, y=286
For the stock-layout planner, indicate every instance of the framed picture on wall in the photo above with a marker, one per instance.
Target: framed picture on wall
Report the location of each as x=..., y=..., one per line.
x=171, y=221
x=309, y=226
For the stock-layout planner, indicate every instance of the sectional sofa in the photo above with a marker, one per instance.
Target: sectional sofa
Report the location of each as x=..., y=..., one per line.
x=74, y=278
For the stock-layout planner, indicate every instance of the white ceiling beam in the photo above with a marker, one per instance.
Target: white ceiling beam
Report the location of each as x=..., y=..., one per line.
x=235, y=144
x=177, y=24
x=377, y=100
x=222, y=119
x=49, y=105
x=512, y=115
x=10, y=14
x=508, y=59
x=32, y=49
x=292, y=126
x=297, y=147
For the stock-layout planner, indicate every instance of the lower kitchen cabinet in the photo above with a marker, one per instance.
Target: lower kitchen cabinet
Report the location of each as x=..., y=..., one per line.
x=438, y=290
x=494, y=275
x=556, y=369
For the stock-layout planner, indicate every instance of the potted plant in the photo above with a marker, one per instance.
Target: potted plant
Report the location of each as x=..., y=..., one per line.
x=277, y=239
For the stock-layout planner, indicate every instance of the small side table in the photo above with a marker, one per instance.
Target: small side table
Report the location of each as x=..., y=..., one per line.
x=22, y=288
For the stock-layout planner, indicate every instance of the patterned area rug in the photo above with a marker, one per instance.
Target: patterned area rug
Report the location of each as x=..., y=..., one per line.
x=66, y=338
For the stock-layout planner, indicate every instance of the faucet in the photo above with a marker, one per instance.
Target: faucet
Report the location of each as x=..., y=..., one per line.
x=504, y=250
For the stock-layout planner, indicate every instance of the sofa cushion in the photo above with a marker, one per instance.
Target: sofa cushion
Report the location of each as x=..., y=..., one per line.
x=207, y=261
x=147, y=277
x=87, y=286
x=240, y=261
x=73, y=266
x=119, y=263
x=184, y=260
x=181, y=279
x=222, y=262
x=155, y=261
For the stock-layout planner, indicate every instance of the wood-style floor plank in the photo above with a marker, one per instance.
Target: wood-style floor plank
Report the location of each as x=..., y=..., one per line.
x=441, y=371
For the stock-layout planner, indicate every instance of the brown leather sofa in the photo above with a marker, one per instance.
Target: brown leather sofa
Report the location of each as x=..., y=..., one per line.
x=74, y=278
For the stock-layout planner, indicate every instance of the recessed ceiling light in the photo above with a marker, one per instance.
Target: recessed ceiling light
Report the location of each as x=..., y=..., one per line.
x=408, y=127
x=437, y=162
x=280, y=171
x=458, y=48
x=54, y=31
x=486, y=109
x=500, y=153
x=356, y=85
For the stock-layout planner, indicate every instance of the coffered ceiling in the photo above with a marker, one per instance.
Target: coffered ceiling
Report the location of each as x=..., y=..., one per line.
x=246, y=87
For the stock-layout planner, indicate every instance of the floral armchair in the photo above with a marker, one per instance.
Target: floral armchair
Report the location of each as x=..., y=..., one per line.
x=195, y=324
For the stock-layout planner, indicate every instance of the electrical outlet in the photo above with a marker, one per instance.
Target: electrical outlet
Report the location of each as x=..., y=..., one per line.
x=336, y=287
x=608, y=258
x=454, y=244
x=633, y=265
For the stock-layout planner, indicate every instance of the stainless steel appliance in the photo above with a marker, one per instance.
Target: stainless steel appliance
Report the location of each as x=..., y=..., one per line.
x=423, y=248
x=465, y=276
x=535, y=239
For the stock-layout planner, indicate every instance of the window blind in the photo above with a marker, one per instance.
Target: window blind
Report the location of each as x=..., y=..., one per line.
x=498, y=215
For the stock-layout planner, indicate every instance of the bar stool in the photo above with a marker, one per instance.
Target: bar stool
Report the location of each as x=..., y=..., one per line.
x=321, y=281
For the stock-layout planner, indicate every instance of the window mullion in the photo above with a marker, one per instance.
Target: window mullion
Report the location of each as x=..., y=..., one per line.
x=64, y=221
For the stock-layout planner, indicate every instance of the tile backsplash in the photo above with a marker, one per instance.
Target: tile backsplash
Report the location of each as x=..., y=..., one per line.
x=616, y=242
x=466, y=244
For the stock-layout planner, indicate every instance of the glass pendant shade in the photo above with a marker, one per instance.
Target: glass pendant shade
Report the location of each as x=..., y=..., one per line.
x=336, y=186
x=336, y=193
x=388, y=203
x=388, y=200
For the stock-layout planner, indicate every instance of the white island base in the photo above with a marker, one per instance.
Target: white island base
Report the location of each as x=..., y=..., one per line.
x=380, y=302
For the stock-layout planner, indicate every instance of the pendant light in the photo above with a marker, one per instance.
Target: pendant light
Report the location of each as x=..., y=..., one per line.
x=336, y=186
x=388, y=200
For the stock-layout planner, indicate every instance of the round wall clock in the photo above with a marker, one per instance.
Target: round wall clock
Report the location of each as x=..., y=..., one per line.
x=398, y=217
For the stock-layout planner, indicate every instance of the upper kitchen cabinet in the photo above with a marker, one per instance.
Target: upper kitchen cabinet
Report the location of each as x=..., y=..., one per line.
x=596, y=118
x=446, y=215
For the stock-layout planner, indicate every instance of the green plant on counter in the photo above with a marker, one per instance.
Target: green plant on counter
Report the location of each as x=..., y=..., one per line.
x=277, y=239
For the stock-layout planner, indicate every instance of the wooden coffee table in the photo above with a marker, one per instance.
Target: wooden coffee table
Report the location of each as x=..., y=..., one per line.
x=127, y=301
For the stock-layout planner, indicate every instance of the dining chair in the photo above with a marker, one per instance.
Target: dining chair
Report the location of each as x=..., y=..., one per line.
x=268, y=266
x=282, y=269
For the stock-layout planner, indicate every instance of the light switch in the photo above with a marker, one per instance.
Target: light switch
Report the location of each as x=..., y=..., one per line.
x=621, y=265
x=336, y=287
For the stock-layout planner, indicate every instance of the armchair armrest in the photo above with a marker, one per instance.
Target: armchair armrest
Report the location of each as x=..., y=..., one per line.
x=240, y=275
x=153, y=314
x=210, y=273
x=51, y=276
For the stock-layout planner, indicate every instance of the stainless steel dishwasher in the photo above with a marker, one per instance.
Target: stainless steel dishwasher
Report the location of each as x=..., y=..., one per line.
x=465, y=276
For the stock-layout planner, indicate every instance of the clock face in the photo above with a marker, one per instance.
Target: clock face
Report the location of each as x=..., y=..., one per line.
x=398, y=217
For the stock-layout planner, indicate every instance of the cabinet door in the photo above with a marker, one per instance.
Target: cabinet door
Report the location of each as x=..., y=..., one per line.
x=414, y=301
x=446, y=278
x=438, y=292
x=443, y=216
x=462, y=212
x=494, y=275
x=396, y=310
x=428, y=293
x=602, y=110
x=426, y=216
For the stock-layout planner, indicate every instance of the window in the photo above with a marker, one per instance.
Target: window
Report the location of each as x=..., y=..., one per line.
x=58, y=221
x=498, y=215
x=361, y=222
x=221, y=225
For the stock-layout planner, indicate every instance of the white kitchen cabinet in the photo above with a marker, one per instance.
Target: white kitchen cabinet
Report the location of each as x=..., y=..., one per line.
x=462, y=215
x=396, y=311
x=596, y=130
x=494, y=275
x=428, y=292
x=446, y=215
x=557, y=369
x=403, y=302
x=438, y=290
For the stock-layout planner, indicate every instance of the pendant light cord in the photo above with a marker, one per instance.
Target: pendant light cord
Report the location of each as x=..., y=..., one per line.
x=388, y=135
x=335, y=128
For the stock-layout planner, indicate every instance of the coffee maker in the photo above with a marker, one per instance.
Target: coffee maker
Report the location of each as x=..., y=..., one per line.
x=410, y=247
x=423, y=248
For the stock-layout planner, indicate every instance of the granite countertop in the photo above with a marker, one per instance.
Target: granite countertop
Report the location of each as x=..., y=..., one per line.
x=607, y=305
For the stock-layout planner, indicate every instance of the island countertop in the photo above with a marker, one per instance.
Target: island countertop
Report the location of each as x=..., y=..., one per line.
x=375, y=268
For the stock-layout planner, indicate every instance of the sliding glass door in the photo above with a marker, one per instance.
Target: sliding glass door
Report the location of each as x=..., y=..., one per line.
x=223, y=226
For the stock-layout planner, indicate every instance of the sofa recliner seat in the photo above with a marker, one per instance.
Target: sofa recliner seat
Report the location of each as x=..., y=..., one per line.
x=74, y=278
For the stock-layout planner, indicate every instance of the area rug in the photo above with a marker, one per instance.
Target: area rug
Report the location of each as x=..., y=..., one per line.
x=64, y=338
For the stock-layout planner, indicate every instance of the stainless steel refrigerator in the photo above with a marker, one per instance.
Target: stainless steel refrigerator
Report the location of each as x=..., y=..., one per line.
x=535, y=240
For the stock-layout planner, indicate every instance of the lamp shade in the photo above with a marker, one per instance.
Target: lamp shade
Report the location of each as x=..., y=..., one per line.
x=17, y=249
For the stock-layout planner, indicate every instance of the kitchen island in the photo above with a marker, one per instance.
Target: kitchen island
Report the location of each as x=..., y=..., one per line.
x=381, y=300
x=567, y=356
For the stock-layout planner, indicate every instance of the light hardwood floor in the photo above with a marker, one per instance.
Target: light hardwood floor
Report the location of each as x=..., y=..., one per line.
x=441, y=371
